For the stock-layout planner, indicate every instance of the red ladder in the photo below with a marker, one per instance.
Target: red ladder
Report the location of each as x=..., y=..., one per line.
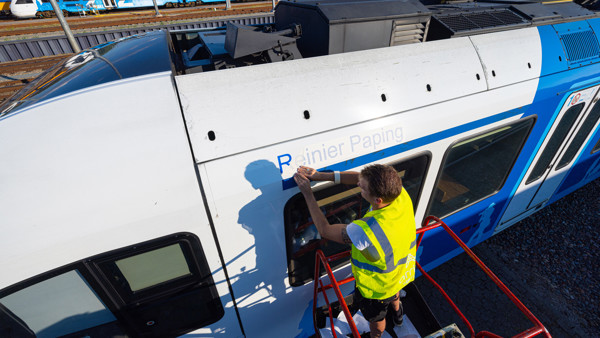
x=537, y=329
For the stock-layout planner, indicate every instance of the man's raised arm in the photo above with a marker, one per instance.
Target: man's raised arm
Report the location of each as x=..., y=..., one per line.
x=345, y=177
x=333, y=232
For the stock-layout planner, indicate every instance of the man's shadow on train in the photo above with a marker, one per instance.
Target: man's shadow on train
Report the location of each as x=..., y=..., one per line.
x=262, y=218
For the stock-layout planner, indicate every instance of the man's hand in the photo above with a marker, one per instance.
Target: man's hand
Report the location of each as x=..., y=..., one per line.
x=346, y=177
x=329, y=231
x=302, y=182
x=310, y=173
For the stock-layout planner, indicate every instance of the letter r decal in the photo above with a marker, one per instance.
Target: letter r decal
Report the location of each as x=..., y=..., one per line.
x=284, y=159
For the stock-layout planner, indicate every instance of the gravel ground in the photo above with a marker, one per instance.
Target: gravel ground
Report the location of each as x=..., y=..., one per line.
x=549, y=261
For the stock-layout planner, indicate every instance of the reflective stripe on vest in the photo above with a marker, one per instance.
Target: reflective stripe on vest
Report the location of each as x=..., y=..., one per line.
x=394, y=224
x=385, y=245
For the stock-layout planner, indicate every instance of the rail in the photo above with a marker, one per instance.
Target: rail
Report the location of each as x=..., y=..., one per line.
x=537, y=329
x=320, y=257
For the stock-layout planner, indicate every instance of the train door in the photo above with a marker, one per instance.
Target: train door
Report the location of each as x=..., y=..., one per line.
x=556, y=155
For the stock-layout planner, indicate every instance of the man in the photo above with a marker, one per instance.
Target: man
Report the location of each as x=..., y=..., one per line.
x=383, y=241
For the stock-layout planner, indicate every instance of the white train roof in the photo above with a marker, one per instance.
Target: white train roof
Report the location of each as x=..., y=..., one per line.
x=250, y=107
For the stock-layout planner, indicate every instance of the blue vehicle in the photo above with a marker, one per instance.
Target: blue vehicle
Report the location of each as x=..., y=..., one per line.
x=147, y=185
x=23, y=9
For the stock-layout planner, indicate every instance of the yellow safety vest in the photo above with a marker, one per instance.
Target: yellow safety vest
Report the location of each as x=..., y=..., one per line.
x=392, y=231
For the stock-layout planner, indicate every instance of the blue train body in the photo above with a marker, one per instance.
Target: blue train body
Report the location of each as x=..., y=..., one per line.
x=563, y=72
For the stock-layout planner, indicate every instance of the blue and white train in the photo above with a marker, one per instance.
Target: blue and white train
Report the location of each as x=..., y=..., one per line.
x=26, y=9
x=146, y=183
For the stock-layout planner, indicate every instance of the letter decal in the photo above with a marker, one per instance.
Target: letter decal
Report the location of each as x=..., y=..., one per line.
x=285, y=162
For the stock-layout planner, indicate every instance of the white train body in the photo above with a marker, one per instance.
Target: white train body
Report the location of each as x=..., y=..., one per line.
x=23, y=9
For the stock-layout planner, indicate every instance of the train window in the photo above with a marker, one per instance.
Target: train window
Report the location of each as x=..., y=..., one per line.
x=589, y=123
x=158, y=288
x=557, y=138
x=23, y=2
x=477, y=167
x=341, y=204
x=57, y=306
x=140, y=271
x=134, y=275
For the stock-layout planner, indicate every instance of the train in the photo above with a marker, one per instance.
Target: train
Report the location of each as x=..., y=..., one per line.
x=147, y=185
x=27, y=9
x=5, y=7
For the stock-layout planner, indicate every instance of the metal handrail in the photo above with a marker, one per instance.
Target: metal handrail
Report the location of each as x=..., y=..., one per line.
x=320, y=257
x=538, y=327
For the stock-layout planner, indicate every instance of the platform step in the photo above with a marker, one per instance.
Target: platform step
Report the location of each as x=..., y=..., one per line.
x=342, y=328
x=413, y=304
x=450, y=331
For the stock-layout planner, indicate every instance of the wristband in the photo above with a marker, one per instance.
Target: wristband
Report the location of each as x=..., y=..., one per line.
x=336, y=177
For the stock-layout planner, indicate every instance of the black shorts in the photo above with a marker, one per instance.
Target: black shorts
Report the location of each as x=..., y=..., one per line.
x=374, y=310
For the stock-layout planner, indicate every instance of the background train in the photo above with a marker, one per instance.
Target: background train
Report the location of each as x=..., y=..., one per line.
x=5, y=7
x=136, y=199
x=24, y=9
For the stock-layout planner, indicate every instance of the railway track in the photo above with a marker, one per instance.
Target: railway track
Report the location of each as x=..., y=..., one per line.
x=29, y=65
x=32, y=27
x=7, y=89
x=18, y=74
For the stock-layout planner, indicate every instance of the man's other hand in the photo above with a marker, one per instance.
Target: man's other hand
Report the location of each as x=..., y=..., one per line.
x=302, y=182
x=306, y=171
x=311, y=173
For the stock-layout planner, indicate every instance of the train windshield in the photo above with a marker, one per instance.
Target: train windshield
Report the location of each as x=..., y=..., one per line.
x=120, y=59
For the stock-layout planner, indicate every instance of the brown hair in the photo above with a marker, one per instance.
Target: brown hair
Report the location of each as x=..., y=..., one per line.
x=383, y=181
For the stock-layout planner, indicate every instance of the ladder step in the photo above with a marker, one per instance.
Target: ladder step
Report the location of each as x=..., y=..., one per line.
x=342, y=328
x=449, y=331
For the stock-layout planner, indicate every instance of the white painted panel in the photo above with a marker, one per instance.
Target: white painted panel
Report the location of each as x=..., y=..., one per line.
x=81, y=176
x=509, y=57
x=254, y=106
x=80, y=179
